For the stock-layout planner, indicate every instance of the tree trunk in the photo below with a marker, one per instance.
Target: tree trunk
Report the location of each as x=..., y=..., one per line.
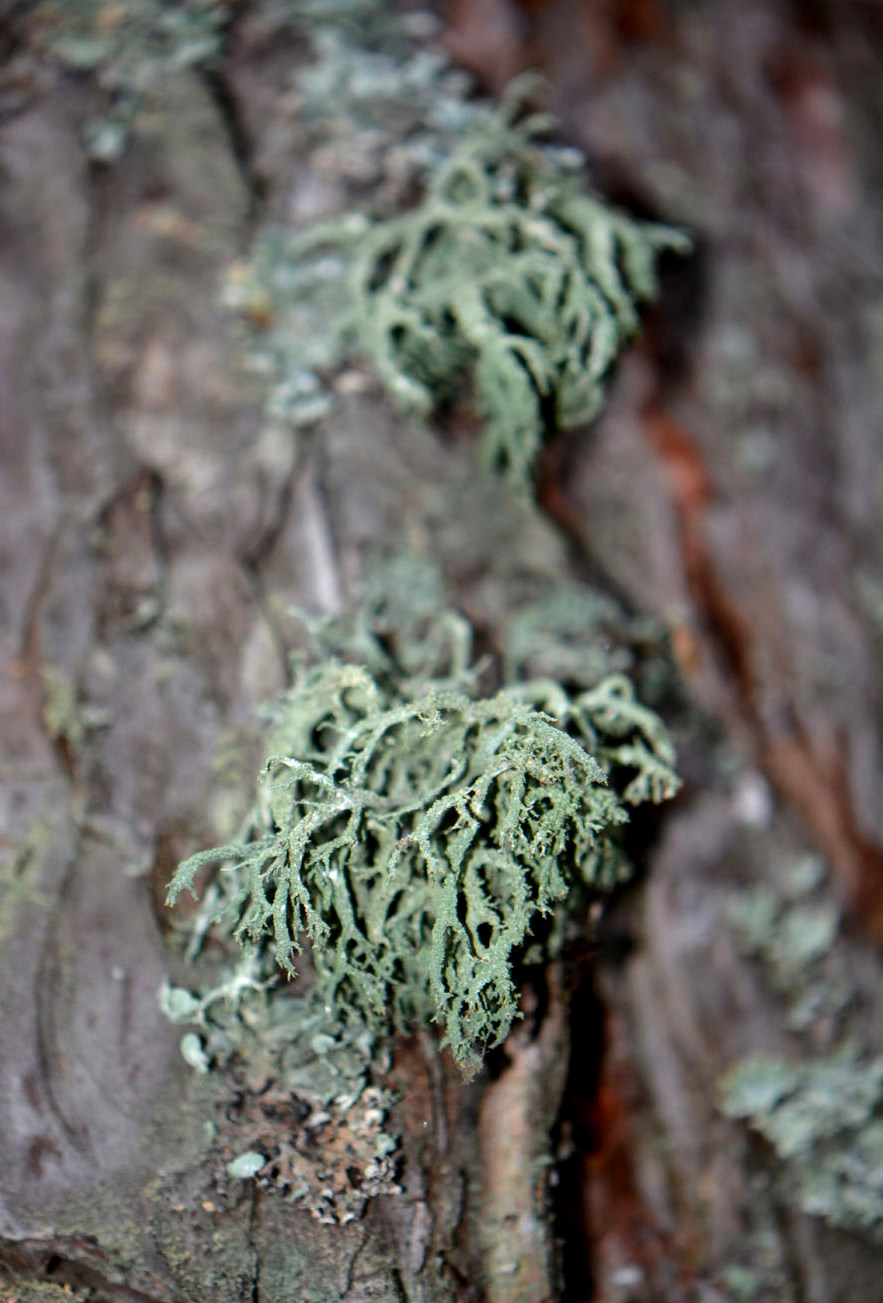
x=156, y=532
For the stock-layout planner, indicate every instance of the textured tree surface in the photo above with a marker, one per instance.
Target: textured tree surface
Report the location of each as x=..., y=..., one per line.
x=155, y=535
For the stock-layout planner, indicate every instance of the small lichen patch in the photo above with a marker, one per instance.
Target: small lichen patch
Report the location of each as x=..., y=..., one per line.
x=793, y=931
x=129, y=47
x=307, y=1114
x=62, y=715
x=576, y=635
x=824, y=1121
x=332, y=1159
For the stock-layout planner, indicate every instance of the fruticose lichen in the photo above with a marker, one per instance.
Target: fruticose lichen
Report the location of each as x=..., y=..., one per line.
x=511, y=272
x=506, y=274
x=577, y=635
x=424, y=823
x=483, y=259
x=416, y=831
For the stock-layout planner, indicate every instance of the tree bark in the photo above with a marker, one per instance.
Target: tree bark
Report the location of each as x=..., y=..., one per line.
x=155, y=534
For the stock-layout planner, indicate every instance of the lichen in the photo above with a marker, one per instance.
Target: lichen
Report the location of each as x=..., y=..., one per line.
x=506, y=274
x=308, y=1103
x=577, y=634
x=821, y=1114
x=129, y=47
x=824, y=1120
x=416, y=832
x=792, y=931
x=436, y=820
x=511, y=272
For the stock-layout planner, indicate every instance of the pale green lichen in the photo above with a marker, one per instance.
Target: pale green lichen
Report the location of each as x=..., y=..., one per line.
x=129, y=47
x=506, y=274
x=824, y=1121
x=400, y=775
x=793, y=932
x=577, y=635
x=417, y=832
x=511, y=272
x=308, y=1099
x=821, y=1114
x=761, y=1275
x=377, y=105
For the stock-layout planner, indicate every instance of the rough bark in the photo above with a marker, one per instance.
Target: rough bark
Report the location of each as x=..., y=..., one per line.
x=154, y=536
x=733, y=486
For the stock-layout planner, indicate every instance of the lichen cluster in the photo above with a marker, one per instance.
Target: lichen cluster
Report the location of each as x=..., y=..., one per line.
x=511, y=272
x=792, y=931
x=577, y=635
x=129, y=47
x=483, y=263
x=308, y=1115
x=417, y=832
x=506, y=278
x=821, y=1111
x=824, y=1120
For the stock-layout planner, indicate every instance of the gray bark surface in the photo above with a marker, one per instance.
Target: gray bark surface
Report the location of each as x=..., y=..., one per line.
x=154, y=535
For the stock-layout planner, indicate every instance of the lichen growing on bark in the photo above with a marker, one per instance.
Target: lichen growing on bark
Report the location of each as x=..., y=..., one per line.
x=485, y=262
x=820, y=1112
x=823, y=1118
x=130, y=48
x=417, y=831
x=510, y=272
